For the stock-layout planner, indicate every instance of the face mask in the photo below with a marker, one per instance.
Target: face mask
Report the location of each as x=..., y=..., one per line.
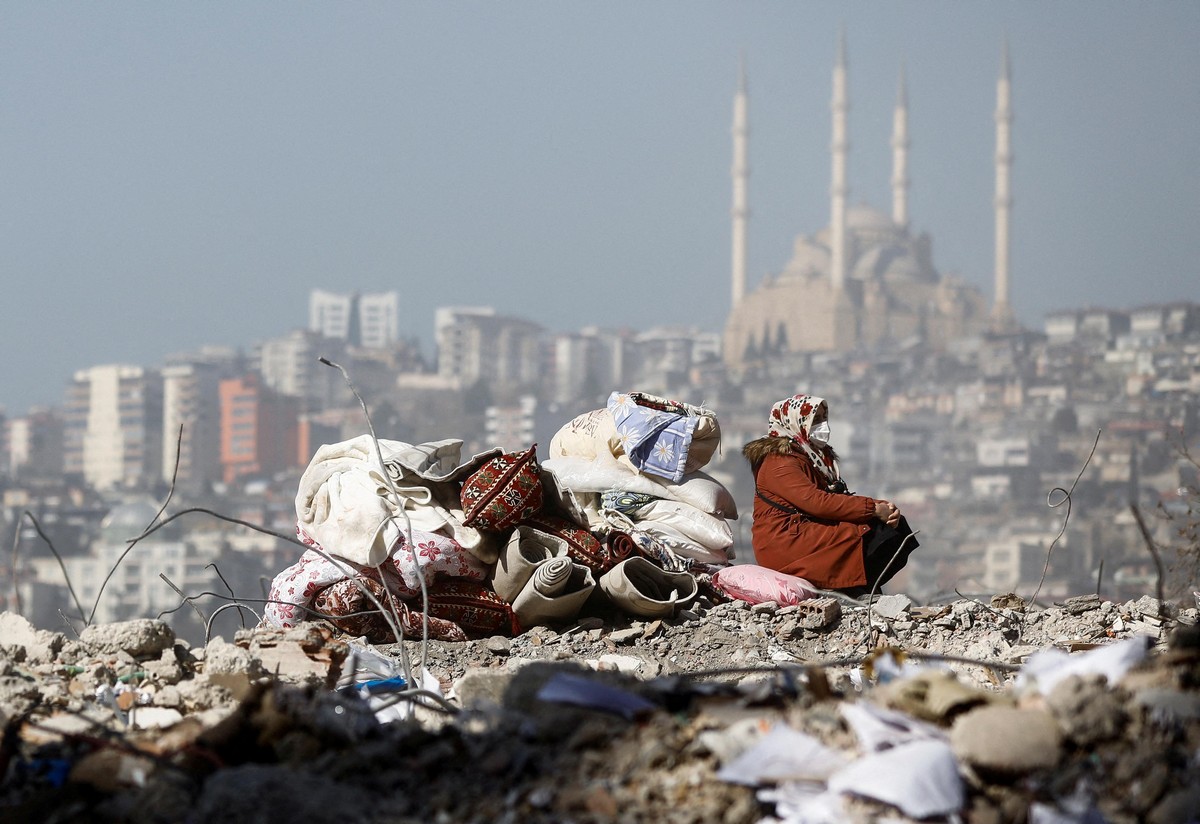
x=820, y=433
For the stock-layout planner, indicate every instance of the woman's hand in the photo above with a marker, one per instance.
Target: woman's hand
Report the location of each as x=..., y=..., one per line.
x=887, y=512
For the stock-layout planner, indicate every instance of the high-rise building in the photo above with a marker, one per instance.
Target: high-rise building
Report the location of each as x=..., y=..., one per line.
x=191, y=423
x=330, y=314
x=475, y=344
x=35, y=445
x=291, y=365
x=259, y=429
x=113, y=426
x=378, y=320
x=370, y=320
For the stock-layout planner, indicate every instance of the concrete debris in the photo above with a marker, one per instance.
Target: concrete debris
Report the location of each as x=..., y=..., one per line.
x=975, y=710
x=140, y=638
x=1007, y=740
x=891, y=607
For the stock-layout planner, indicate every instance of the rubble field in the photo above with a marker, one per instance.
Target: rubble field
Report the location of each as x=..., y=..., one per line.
x=983, y=710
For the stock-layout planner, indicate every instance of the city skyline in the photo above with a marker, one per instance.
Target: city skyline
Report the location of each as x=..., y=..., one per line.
x=186, y=176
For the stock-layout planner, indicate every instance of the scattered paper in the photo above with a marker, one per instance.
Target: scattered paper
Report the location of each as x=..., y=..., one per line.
x=921, y=779
x=783, y=754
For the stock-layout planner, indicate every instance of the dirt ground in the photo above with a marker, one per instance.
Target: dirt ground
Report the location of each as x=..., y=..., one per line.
x=606, y=719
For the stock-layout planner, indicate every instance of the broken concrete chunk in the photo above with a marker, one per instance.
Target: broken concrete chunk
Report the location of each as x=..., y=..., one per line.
x=1007, y=740
x=141, y=638
x=625, y=636
x=1081, y=604
x=1086, y=710
x=498, y=645
x=815, y=613
x=933, y=695
x=891, y=607
x=228, y=665
x=25, y=644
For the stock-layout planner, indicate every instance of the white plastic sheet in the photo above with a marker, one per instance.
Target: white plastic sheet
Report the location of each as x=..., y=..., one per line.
x=1046, y=668
x=920, y=778
x=783, y=754
x=878, y=728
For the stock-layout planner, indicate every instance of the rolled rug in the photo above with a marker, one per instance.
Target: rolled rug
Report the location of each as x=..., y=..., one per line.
x=555, y=593
x=641, y=588
x=619, y=544
x=526, y=548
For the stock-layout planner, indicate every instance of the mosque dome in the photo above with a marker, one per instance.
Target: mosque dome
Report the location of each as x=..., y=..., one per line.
x=129, y=519
x=864, y=218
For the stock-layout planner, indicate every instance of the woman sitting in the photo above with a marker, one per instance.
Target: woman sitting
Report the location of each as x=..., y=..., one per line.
x=805, y=522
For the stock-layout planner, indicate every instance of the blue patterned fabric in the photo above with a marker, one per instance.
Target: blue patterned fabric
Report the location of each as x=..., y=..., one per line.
x=625, y=502
x=655, y=433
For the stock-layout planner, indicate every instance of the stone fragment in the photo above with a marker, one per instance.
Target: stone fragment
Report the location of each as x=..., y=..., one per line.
x=141, y=637
x=305, y=654
x=625, y=636
x=1008, y=600
x=1086, y=710
x=498, y=645
x=891, y=607
x=481, y=689
x=1147, y=605
x=1170, y=706
x=1081, y=604
x=815, y=613
x=1007, y=740
x=765, y=608
x=1177, y=807
x=38, y=646
x=229, y=666
x=933, y=695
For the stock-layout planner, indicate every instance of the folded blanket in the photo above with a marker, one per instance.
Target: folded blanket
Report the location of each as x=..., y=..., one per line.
x=295, y=590
x=358, y=509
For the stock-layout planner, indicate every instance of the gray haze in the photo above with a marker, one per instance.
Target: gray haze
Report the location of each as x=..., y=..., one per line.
x=179, y=174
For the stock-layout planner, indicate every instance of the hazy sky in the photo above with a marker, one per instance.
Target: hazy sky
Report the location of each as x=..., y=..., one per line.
x=178, y=174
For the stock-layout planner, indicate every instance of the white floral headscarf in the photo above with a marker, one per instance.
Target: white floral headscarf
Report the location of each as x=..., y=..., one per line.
x=793, y=418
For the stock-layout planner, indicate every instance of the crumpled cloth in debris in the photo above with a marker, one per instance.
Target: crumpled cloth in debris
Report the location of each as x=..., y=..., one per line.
x=345, y=499
x=453, y=578
x=1047, y=667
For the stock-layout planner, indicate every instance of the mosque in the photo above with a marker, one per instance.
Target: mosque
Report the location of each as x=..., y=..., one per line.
x=866, y=280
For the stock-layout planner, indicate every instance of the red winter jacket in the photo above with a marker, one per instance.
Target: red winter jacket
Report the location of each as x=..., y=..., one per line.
x=823, y=543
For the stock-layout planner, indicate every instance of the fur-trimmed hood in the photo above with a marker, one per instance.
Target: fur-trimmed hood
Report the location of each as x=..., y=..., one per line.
x=757, y=450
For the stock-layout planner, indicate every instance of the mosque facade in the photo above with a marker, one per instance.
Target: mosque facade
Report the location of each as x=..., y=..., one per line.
x=866, y=280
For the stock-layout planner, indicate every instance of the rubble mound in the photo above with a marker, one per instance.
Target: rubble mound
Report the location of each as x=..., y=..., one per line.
x=828, y=710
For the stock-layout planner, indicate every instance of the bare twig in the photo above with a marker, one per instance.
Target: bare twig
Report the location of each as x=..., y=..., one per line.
x=256, y=527
x=57, y=557
x=408, y=540
x=179, y=592
x=1066, y=518
x=1158, y=564
x=871, y=632
x=235, y=605
x=145, y=532
x=217, y=570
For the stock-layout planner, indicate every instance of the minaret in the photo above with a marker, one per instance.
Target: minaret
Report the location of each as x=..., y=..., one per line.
x=838, y=191
x=1002, y=317
x=741, y=174
x=900, y=155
